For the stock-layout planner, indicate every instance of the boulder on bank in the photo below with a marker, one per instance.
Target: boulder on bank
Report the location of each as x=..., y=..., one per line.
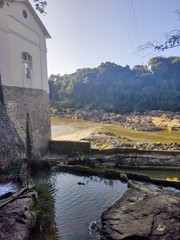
x=143, y=214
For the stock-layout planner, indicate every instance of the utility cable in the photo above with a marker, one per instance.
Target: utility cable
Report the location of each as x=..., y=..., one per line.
x=123, y=22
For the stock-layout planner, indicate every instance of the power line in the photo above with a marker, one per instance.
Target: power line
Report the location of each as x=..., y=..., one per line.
x=133, y=25
x=143, y=22
x=135, y=22
x=122, y=20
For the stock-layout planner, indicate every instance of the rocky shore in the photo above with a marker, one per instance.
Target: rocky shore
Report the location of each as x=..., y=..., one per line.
x=142, y=214
x=149, y=121
x=16, y=214
x=105, y=140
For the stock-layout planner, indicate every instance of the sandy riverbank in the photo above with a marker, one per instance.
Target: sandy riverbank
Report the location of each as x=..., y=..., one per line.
x=78, y=135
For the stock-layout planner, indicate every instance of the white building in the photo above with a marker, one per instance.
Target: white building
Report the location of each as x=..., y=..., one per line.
x=23, y=74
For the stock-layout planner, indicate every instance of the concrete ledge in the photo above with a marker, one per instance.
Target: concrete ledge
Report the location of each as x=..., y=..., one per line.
x=111, y=151
x=64, y=147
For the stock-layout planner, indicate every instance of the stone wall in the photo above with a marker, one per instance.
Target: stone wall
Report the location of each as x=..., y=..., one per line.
x=29, y=111
x=69, y=147
x=144, y=160
x=11, y=146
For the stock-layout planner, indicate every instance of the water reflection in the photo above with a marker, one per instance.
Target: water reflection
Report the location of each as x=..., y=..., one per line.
x=107, y=182
x=77, y=205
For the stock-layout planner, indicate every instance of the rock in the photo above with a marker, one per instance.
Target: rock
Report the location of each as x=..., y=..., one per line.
x=93, y=226
x=95, y=229
x=123, y=177
x=6, y=195
x=17, y=218
x=142, y=214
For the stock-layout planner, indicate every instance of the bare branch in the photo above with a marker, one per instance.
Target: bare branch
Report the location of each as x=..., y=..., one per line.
x=172, y=40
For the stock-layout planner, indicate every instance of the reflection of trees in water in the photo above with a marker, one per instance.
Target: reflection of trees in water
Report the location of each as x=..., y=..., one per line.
x=107, y=182
x=50, y=179
x=87, y=179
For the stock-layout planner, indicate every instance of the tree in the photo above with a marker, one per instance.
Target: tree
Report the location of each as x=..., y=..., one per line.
x=39, y=5
x=172, y=40
x=121, y=89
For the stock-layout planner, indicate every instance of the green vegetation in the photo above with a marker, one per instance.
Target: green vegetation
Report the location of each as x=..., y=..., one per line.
x=120, y=89
x=44, y=208
x=104, y=167
x=143, y=188
x=11, y=172
x=37, y=165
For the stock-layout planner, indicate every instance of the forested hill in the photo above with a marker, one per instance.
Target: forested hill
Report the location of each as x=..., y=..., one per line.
x=120, y=89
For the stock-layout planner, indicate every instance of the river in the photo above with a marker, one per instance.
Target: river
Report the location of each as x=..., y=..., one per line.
x=72, y=129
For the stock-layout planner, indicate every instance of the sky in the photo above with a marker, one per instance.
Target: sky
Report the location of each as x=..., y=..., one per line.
x=86, y=33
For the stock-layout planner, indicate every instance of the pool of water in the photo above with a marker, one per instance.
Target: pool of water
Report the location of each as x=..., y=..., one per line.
x=76, y=206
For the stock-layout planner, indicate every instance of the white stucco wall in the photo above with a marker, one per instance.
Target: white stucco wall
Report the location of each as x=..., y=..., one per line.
x=17, y=35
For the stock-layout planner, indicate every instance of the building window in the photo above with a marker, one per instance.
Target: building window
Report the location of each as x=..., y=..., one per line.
x=24, y=14
x=27, y=63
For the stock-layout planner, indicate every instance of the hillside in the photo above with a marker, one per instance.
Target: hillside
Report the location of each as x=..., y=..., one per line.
x=120, y=89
